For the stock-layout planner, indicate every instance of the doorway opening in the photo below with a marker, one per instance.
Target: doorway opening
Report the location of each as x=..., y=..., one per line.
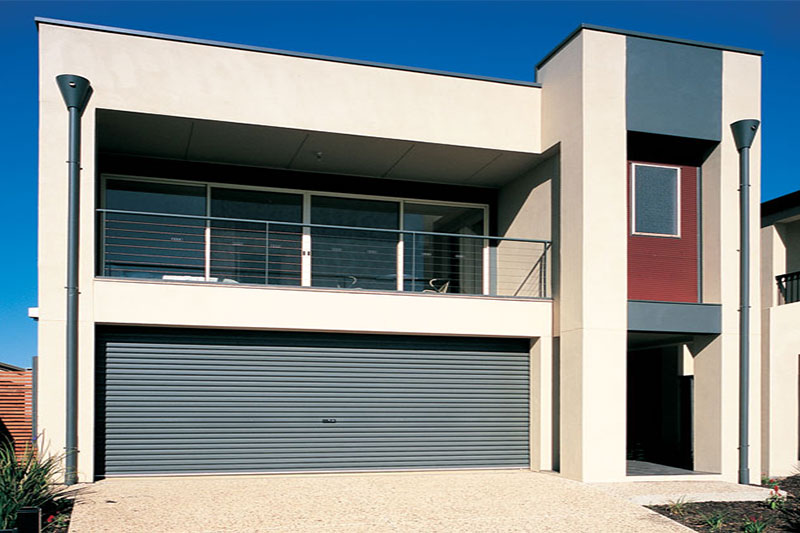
x=659, y=411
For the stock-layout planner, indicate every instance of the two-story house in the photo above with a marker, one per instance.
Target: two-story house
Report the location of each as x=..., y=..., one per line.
x=291, y=262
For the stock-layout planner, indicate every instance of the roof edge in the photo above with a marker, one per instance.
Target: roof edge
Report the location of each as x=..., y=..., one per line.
x=261, y=49
x=652, y=36
x=780, y=208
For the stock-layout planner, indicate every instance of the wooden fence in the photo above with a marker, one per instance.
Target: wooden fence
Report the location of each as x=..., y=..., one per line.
x=16, y=407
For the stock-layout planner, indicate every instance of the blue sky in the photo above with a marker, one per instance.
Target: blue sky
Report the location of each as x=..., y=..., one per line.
x=502, y=39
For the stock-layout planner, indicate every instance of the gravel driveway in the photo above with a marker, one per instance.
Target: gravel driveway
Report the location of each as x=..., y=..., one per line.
x=467, y=501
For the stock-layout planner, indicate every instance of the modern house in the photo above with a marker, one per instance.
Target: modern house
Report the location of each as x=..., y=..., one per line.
x=780, y=338
x=291, y=262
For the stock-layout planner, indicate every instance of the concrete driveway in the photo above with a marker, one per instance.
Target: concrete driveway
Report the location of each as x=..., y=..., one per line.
x=468, y=501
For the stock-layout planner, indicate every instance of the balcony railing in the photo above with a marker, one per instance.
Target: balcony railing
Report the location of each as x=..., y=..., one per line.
x=789, y=287
x=173, y=247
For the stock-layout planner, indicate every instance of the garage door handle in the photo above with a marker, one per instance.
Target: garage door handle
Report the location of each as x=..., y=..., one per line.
x=328, y=420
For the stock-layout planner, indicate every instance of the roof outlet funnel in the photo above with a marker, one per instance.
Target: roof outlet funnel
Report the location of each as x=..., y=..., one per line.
x=75, y=90
x=744, y=131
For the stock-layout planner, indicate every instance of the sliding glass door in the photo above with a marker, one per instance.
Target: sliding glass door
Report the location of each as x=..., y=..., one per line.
x=153, y=246
x=354, y=258
x=255, y=252
x=443, y=263
x=204, y=232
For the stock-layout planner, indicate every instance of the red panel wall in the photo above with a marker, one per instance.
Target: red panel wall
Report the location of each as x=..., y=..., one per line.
x=664, y=269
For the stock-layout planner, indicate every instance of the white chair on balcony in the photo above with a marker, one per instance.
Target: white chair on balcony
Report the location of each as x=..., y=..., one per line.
x=438, y=285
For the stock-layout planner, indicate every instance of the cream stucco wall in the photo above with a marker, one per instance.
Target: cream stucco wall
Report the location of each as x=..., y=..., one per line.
x=583, y=112
x=781, y=345
x=149, y=75
x=780, y=354
x=226, y=306
x=524, y=211
x=716, y=409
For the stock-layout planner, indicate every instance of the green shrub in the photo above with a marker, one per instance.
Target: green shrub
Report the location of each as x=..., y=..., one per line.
x=716, y=520
x=755, y=525
x=29, y=482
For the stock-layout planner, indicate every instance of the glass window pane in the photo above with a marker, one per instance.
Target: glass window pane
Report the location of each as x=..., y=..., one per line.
x=154, y=246
x=252, y=252
x=129, y=195
x=656, y=200
x=354, y=259
x=443, y=263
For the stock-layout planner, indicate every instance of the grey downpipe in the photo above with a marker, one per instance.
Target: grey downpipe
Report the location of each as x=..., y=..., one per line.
x=76, y=92
x=743, y=133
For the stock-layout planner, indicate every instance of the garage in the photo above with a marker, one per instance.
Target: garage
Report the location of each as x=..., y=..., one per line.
x=173, y=401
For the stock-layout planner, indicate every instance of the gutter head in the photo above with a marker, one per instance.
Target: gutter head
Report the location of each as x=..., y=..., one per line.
x=75, y=90
x=744, y=131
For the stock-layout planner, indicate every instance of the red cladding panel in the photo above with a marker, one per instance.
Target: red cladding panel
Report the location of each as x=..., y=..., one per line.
x=664, y=269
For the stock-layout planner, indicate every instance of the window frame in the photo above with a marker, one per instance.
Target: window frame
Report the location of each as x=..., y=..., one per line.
x=678, y=211
x=306, y=217
x=306, y=193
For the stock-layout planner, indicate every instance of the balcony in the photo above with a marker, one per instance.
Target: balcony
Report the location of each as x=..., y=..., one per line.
x=789, y=287
x=237, y=251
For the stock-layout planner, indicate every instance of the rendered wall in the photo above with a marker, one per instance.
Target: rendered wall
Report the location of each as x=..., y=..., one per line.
x=780, y=355
x=716, y=410
x=583, y=112
x=524, y=211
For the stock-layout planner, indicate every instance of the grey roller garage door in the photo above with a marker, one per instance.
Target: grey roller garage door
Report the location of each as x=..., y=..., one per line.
x=182, y=401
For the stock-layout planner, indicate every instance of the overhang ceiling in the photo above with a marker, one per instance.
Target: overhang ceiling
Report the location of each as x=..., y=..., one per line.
x=140, y=134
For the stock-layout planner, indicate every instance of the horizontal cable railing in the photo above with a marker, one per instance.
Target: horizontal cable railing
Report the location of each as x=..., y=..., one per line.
x=176, y=247
x=789, y=287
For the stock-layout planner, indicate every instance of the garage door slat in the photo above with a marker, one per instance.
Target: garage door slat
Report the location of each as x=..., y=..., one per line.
x=191, y=401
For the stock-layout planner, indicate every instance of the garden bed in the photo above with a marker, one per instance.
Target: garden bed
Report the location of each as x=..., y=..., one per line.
x=749, y=517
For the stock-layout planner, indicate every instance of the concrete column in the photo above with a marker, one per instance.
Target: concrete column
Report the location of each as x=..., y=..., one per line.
x=584, y=111
x=541, y=429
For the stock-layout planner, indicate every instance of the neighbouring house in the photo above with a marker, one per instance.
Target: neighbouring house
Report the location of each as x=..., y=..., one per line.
x=780, y=337
x=16, y=407
x=292, y=262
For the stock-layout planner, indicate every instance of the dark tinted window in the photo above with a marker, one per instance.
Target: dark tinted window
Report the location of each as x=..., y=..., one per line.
x=655, y=200
x=155, y=197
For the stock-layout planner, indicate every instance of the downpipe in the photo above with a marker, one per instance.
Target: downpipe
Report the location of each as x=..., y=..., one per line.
x=76, y=92
x=744, y=131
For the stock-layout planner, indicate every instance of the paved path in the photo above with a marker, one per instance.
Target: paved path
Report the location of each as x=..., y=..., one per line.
x=474, y=501
x=663, y=492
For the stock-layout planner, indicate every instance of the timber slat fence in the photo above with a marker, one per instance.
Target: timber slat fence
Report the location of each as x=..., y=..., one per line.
x=16, y=407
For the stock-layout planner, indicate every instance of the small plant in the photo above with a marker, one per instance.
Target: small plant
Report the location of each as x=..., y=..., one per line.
x=678, y=507
x=767, y=481
x=776, y=499
x=715, y=520
x=28, y=482
x=755, y=525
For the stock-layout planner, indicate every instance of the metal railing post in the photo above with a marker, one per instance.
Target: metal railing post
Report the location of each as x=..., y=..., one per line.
x=266, y=253
x=413, y=261
x=207, y=251
x=400, y=265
